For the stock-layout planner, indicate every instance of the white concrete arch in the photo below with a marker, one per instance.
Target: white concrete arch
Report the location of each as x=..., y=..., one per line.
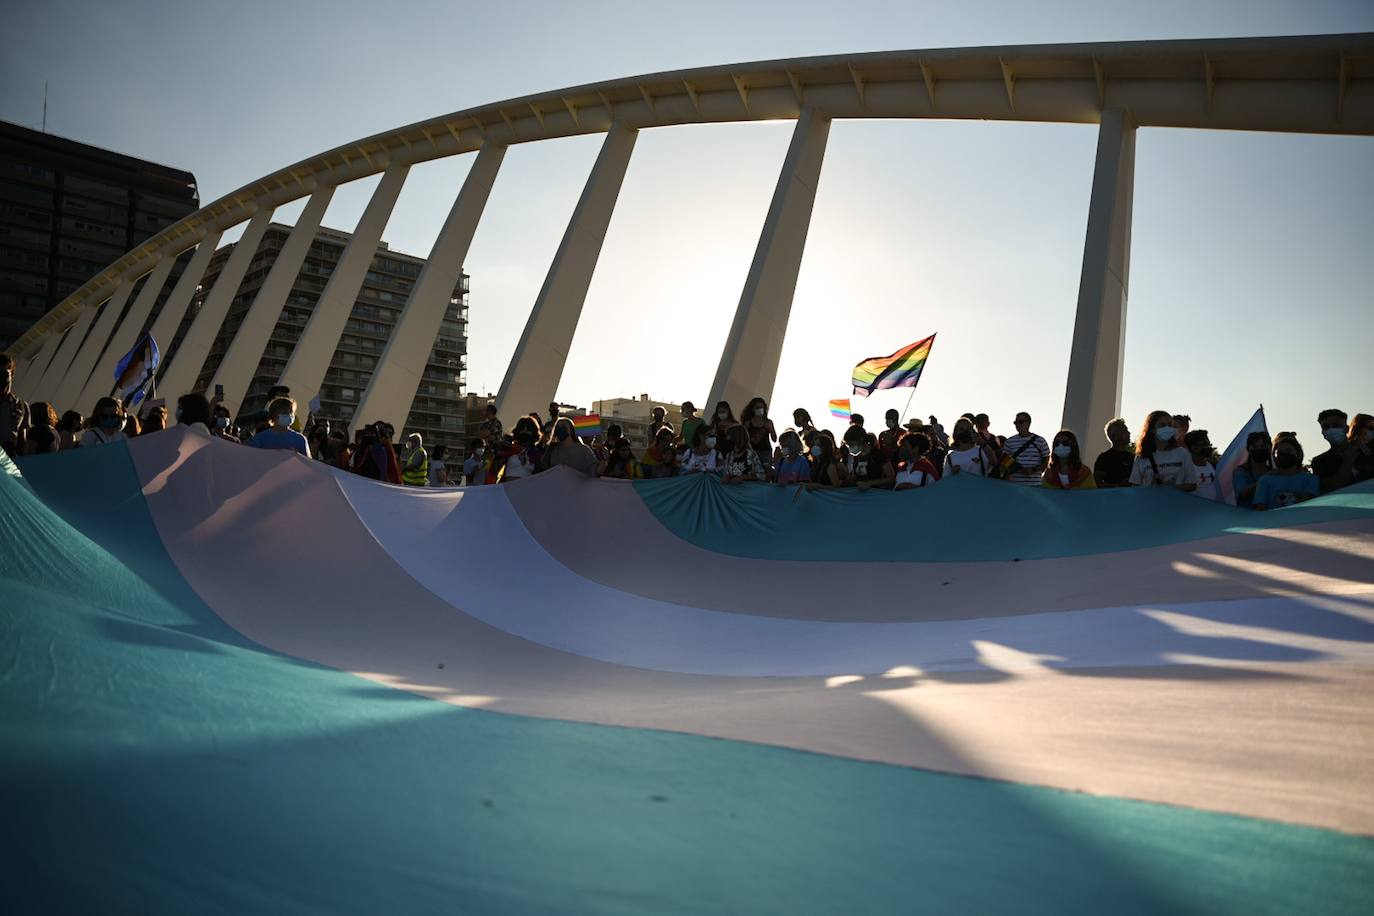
x=1311, y=84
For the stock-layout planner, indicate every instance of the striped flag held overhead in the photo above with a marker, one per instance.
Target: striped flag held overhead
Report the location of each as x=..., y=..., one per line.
x=900, y=370
x=839, y=407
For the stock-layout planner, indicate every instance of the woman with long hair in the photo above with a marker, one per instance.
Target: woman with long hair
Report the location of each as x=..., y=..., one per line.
x=1067, y=470
x=42, y=437
x=762, y=434
x=722, y=419
x=701, y=457
x=69, y=428
x=1258, y=462
x=825, y=469
x=1160, y=459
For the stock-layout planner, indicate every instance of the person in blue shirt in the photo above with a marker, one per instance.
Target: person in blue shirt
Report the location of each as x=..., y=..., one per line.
x=1288, y=484
x=281, y=413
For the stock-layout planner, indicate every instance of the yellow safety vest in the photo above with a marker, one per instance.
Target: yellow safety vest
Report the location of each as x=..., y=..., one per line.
x=416, y=477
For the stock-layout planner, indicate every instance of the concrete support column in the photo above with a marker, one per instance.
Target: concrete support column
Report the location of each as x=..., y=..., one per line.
x=102, y=378
x=190, y=356
x=165, y=325
x=1093, y=393
x=305, y=369
x=74, y=382
x=397, y=375
x=57, y=369
x=245, y=351
x=32, y=371
x=749, y=363
x=532, y=377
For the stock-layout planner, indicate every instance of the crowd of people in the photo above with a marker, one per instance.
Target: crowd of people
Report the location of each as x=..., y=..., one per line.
x=1167, y=452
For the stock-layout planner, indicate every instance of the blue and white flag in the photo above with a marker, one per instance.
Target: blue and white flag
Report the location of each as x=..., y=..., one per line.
x=1236, y=455
x=135, y=371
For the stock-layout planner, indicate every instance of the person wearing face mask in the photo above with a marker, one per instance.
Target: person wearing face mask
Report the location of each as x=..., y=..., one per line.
x=1066, y=470
x=1289, y=484
x=415, y=470
x=1335, y=467
x=1160, y=460
x=475, y=464
x=14, y=412
x=865, y=466
x=703, y=456
x=740, y=462
x=795, y=465
x=915, y=470
x=966, y=456
x=1258, y=462
x=155, y=420
x=193, y=412
x=1113, y=467
x=825, y=464
x=106, y=424
x=279, y=434
x=722, y=419
x=1199, y=445
x=568, y=450
x=222, y=426
x=762, y=434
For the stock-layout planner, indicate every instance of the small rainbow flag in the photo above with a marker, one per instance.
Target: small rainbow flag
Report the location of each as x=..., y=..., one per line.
x=900, y=370
x=587, y=424
x=839, y=407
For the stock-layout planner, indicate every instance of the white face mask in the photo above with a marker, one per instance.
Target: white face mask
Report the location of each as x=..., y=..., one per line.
x=816, y=450
x=710, y=441
x=891, y=424
x=221, y=422
x=478, y=452
x=286, y=419
x=723, y=414
x=1164, y=433
x=1063, y=451
x=1335, y=435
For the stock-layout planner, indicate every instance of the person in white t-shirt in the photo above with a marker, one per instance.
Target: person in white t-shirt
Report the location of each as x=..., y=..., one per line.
x=107, y=424
x=1159, y=460
x=1200, y=447
x=966, y=456
x=701, y=457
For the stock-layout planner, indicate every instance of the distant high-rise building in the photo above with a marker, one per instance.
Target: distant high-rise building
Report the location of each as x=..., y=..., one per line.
x=438, y=411
x=67, y=210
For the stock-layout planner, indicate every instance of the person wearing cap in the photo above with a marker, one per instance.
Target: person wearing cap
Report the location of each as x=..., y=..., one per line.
x=416, y=470
x=690, y=423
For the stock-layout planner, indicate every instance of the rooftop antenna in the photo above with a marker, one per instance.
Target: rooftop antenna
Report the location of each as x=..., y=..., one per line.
x=45, y=106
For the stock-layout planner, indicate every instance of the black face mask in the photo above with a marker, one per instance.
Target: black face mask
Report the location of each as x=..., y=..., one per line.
x=561, y=433
x=1286, y=460
x=524, y=439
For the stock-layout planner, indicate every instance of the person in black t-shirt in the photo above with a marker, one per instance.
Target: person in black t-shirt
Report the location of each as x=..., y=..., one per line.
x=1113, y=467
x=1335, y=467
x=865, y=465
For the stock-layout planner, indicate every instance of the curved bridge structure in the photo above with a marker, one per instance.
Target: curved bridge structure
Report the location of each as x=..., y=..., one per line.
x=1311, y=84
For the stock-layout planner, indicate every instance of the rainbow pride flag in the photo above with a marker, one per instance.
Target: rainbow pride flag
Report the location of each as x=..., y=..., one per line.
x=900, y=370
x=587, y=425
x=839, y=407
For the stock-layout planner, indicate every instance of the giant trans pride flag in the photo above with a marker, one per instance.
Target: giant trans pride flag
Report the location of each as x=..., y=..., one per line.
x=237, y=681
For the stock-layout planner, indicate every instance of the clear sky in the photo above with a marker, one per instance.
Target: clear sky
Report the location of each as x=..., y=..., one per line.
x=1251, y=276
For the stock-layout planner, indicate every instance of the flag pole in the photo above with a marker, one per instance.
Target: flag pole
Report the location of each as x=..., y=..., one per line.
x=908, y=404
